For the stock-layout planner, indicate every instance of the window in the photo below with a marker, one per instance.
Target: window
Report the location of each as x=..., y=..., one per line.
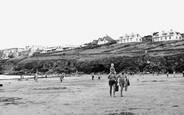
x=164, y=33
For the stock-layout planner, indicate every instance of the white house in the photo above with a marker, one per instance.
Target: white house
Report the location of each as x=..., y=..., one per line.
x=11, y=52
x=130, y=38
x=35, y=48
x=166, y=36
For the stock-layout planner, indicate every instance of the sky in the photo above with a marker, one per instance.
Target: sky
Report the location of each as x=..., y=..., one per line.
x=76, y=22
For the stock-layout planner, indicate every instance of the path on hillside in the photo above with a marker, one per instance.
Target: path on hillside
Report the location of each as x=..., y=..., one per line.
x=80, y=95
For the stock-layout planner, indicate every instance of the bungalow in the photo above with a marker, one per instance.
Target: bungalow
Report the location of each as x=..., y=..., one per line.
x=130, y=38
x=104, y=40
x=166, y=36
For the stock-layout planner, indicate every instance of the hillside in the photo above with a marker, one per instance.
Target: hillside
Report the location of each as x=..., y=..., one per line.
x=162, y=57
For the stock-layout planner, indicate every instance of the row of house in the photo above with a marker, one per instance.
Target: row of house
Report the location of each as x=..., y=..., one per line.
x=30, y=50
x=128, y=38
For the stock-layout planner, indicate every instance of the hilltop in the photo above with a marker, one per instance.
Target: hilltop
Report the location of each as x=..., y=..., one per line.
x=137, y=57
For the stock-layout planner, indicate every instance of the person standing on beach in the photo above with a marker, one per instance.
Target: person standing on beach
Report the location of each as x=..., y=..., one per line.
x=167, y=74
x=174, y=73
x=183, y=73
x=122, y=82
x=46, y=76
x=36, y=77
x=22, y=76
x=62, y=77
x=92, y=76
x=127, y=82
x=99, y=76
x=112, y=82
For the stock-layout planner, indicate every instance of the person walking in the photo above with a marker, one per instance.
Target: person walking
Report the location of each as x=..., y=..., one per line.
x=127, y=82
x=93, y=76
x=167, y=74
x=62, y=77
x=36, y=77
x=174, y=73
x=122, y=82
x=112, y=82
x=99, y=77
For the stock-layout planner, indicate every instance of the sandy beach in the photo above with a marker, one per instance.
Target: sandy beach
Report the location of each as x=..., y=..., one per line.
x=147, y=95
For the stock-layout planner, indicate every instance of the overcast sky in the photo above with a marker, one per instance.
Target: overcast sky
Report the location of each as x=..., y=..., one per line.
x=59, y=22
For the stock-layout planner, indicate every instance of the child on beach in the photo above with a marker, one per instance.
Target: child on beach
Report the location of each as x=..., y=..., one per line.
x=112, y=69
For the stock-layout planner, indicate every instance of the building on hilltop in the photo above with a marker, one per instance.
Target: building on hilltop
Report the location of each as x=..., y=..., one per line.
x=11, y=53
x=35, y=48
x=104, y=40
x=32, y=49
x=147, y=38
x=130, y=38
x=166, y=36
x=182, y=35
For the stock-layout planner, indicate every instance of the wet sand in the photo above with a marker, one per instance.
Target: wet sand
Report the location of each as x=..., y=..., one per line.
x=147, y=95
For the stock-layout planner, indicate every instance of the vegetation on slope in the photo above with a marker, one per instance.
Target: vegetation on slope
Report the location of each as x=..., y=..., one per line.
x=137, y=57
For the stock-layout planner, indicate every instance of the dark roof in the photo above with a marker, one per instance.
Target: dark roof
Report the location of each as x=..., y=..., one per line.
x=155, y=33
x=147, y=36
x=108, y=38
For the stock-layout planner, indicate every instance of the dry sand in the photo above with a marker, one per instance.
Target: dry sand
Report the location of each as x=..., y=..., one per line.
x=150, y=95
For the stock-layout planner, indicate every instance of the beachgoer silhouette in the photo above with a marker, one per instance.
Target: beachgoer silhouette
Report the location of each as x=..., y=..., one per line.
x=62, y=77
x=122, y=82
x=93, y=76
x=112, y=82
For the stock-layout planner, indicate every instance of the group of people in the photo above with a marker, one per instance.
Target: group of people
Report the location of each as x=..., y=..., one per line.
x=115, y=79
x=93, y=76
x=62, y=76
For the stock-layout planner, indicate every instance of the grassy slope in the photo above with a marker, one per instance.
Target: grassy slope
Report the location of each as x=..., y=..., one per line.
x=103, y=54
x=129, y=49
